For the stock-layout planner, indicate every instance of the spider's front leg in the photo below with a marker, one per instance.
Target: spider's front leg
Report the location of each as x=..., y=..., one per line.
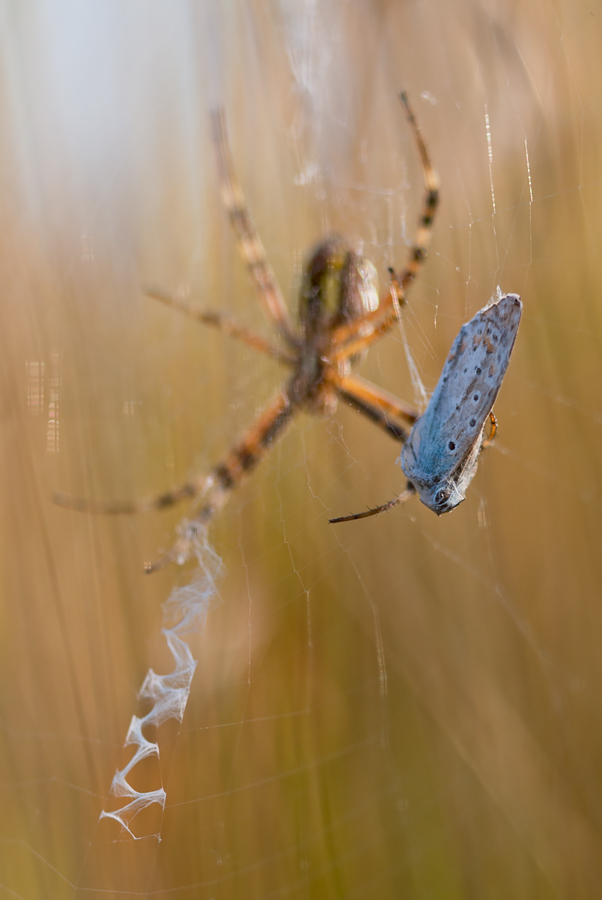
x=249, y=242
x=357, y=335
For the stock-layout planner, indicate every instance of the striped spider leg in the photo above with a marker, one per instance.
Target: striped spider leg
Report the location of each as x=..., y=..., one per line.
x=357, y=335
x=340, y=315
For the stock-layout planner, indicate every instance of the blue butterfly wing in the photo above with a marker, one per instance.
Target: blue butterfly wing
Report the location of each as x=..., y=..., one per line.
x=465, y=393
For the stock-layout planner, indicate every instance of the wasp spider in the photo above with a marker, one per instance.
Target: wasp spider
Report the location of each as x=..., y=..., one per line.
x=340, y=316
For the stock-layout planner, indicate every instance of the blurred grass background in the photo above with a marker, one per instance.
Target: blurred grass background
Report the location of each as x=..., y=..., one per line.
x=404, y=707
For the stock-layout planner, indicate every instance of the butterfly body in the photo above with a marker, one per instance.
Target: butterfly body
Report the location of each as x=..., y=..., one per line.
x=441, y=455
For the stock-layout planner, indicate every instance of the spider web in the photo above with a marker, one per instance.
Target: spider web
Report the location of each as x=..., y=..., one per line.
x=406, y=706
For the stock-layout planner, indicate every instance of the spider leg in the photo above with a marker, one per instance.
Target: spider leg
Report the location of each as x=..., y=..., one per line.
x=375, y=403
x=419, y=248
x=358, y=339
x=217, y=484
x=377, y=509
x=221, y=321
x=371, y=322
x=375, y=415
x=488, y=441
x=386, y=401
x=124, y=507
x=249, y=242
x=229, y=473
x=384, y=316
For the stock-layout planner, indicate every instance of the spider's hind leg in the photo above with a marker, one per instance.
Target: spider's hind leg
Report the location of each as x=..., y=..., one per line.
x=228, y=474
x=212, y=490
x=190, y=489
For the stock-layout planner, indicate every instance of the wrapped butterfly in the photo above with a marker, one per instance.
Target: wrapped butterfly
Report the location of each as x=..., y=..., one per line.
x=440, y=457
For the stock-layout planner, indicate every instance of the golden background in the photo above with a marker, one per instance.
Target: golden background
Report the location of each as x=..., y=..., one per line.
x=400, y=707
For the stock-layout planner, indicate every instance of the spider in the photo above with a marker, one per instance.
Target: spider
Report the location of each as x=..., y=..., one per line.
x=340, y=316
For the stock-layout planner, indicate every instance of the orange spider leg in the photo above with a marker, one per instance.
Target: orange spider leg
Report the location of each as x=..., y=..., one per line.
x=375, y=318
x=358, y=341
x=422, y=240
x=230, y=472
x=384, y=316
x=223, y=477
x=223, y=322
x=249, y=242
x=374, y=403
x=488, y=441
x=377, y=396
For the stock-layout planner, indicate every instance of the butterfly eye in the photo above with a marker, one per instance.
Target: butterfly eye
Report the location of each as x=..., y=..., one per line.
x=442, y=496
